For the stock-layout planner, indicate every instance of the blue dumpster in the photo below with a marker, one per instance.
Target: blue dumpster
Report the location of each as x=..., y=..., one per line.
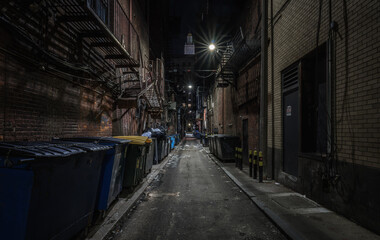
x=172, y=141
x=111, y=180
x=47, y=190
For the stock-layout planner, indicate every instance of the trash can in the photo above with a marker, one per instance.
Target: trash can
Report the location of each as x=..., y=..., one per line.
x=225, y=147
x=150, y=155
x=205, y=141
x=211, y=143
x=111, y=180
x=164, y=148
x=155, y=152
x=168, y=146
x=47, y=190
x=136, y=160
x=172, y=141
x=159, y=149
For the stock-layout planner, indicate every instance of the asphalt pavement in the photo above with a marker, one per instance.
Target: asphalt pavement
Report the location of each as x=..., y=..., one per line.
x=192, y=198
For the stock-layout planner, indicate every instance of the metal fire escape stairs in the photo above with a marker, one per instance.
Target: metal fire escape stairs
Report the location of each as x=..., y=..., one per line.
x=98, y=33
x=238, y=52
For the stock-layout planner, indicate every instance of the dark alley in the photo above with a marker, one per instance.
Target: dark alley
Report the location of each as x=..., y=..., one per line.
x=202, y=119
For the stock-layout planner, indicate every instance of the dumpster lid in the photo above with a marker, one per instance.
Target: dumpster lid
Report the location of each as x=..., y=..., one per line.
x=228, y=136
x=84, y=146
x=139, y=140
x=96, y=139
x=35, y=150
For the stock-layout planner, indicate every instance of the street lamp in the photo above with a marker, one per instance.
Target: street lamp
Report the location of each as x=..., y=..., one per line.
x=211, y=47
x=190, y=86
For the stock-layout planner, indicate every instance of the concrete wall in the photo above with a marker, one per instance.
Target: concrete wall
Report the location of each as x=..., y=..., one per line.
x=356, y=166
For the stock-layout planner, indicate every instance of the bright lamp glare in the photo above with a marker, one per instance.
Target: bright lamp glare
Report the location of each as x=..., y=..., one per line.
x=211, y=47
x=190, y=86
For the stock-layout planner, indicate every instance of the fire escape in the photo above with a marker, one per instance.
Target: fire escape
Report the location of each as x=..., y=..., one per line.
x=93, y=40
x=237, y=53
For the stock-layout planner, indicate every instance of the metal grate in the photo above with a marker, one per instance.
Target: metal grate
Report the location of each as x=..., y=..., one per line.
x=290, y=77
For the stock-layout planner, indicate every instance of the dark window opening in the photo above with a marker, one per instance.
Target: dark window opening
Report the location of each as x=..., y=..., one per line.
x=313, y=101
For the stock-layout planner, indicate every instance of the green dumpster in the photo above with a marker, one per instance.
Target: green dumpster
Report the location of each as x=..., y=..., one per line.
x=135, y=160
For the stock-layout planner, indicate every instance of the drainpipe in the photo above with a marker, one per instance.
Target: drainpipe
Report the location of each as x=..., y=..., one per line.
x=272, y=83
x=264, y=84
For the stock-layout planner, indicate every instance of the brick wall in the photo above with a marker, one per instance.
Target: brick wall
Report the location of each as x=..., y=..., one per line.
x=247, y=101
x=357, y=91
x=357, y=97
x=36, y=105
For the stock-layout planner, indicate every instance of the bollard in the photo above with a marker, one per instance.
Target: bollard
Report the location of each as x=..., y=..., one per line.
x=260, y=166
x=255, y=164
x=236, y=157
x=250, y=163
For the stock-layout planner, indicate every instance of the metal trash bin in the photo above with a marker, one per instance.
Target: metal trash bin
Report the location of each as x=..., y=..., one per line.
x=150, y=155
x=136, y=160
x=168, y=141
x=205, y=142
x=47, y=190
x=172, y=141
x=159, y=149
x=225, y=147
x=164, y=148
x=155, y=152
x=111, y=180
x=212, y=143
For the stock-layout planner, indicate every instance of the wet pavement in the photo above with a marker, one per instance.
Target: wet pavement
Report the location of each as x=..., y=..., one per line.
x=192, y=198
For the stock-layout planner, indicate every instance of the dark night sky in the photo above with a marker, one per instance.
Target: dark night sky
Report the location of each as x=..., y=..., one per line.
x=185, y=17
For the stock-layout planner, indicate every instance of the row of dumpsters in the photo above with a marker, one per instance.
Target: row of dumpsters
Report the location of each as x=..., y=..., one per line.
x=57, y=189
x=222, y=146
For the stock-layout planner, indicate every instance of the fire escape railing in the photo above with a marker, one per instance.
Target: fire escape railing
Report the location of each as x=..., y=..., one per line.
x=91, y=39
x=153, y=92
x=238, y=52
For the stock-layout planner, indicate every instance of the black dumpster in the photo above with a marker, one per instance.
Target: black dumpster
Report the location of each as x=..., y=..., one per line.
x=47, y=190
x=225, y=147
x=136, y=160
x=111, y=180
x=212, y=144
x=150, y=149
x=204, y=140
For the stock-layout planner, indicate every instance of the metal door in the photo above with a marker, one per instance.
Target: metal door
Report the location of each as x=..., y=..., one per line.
x=291, y=119
x=245, y=141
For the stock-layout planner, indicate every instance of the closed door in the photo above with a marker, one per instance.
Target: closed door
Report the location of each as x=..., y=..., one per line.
x=291, y=133
x=245, y=140
x=290, y=81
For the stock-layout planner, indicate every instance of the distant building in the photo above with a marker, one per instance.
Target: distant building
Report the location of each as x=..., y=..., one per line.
x=189, y=45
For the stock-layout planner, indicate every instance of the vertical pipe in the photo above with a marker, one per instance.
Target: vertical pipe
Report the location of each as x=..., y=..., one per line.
x=223, y=110
x=264, y=80
x=250, y=163
x=260, y=167
x=272, y=83
x=255, y=162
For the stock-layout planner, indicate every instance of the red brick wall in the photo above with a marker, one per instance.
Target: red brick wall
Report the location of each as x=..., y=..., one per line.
x=36, y=105
x=247, y=99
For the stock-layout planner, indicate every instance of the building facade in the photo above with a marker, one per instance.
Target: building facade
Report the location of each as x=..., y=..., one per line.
x=74, y=68
x=323, y=103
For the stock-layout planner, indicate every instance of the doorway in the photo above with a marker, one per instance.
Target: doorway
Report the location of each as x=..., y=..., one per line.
x=290, y=81
x=245, y=141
